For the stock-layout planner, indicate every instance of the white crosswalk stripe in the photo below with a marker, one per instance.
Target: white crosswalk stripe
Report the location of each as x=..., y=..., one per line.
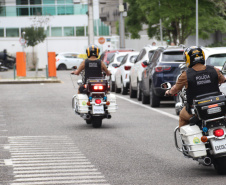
x=50, y=160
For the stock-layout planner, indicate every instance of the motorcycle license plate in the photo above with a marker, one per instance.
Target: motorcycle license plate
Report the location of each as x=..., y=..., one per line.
x=98, y=109
x=219, y=146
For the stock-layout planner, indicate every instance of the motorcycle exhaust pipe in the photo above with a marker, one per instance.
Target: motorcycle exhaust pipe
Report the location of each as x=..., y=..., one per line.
x=205, y=161
x=86, y=116
x=108, y=116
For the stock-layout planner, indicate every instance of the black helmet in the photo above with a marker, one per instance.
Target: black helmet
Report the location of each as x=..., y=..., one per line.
x=92, y=50
x=194, y=55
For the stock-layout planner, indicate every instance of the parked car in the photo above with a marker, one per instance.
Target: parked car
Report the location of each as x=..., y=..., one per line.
x=163, y=66
x=122, y=73
x=137, y=69
x=112, y=67
x=215, y=56
x=107, y=54
x=67, y=60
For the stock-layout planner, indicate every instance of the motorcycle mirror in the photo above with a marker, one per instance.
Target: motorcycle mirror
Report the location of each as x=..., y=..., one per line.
x=74, y=67
x=79, y=82
x=166, y=85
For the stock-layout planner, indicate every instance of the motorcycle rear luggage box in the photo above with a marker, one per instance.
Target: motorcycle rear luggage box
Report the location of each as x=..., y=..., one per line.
x=211, y=107
x=191, y=136
x=81, y=101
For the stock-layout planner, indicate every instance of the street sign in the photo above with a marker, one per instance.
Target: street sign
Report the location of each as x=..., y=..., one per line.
x=101, y=40
x=22, y=41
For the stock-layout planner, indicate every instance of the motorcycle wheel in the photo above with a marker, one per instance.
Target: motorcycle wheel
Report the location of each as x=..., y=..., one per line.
x=220, y=165
x=88, y=121
x=96, y=122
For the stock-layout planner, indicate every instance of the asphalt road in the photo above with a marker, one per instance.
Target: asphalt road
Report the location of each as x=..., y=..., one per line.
x=42, y=141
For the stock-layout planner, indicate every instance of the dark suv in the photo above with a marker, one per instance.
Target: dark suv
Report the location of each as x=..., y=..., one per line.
x=163, y=66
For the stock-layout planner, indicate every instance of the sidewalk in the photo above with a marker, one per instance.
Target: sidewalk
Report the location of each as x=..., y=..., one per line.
x=7, y=77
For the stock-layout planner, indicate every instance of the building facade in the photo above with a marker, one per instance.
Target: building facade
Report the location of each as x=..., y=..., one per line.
x=65, y=23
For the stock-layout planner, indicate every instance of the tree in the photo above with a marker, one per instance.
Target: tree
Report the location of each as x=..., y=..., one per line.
x=34, y=36
x=178, y=18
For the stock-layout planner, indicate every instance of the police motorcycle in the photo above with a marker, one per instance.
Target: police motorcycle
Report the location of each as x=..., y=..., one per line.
x=204, y=139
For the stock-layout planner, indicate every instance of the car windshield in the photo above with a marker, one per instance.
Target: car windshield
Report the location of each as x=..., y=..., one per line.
x=109, y=55
x=173, y=56
x=119, y=59
x=216, y=60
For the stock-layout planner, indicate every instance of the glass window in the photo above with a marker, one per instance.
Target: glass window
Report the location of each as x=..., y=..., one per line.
x=48, y=1
x=150, y=53
x=10, y=11
x=61, y=10
x=2, y=11
x=56, y=31
x=216, y=60
x=49, y=10
x=36, y=11
x=69, y=1
x=119, y=59
x=60, y=1
x=23, y=11
x=124, y=60
x=80, y=31
x=12, y=32
x=133, y=58
x=22, y=2
x=69, y=10
x=173, y=56
x=1, y=32
x=47, y=31
x=35, y=2
x=69, y=31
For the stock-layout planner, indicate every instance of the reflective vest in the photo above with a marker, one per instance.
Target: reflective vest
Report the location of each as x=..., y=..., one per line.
x=92, y=68
x=201, y=82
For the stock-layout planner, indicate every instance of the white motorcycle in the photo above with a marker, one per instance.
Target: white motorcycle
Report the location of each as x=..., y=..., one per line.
x=95, y=103
x=204, y=139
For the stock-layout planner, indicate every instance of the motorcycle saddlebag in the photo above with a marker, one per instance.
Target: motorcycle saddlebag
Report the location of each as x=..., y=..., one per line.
x=80, y=103
x=210, y=107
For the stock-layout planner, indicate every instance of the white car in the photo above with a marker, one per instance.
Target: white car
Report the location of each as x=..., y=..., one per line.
x=122, y=73
x=215, y=56
x=112, y=67
x=137, y=69
x=67, y=60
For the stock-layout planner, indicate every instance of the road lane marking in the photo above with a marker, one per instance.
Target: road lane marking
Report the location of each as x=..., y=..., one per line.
x=50, y=160
x=150, y=108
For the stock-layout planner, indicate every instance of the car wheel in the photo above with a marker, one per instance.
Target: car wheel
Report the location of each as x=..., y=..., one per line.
x=62, y=67
x=145, y=99
x=138, y=91
x=112, y=86
x=132, y=93
x=117, y=90
x=154, y=100
x=123, y=89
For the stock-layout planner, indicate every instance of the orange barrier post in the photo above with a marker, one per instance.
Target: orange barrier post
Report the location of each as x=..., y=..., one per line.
x=52, y=64
x=21, y=64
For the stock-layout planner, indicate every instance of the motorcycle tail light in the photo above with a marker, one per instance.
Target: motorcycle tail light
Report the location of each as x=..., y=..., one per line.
x=98, y=101
x=218, y=132
x=85, y=85
x=127, y=68
x=212, y=106
x=98, y=87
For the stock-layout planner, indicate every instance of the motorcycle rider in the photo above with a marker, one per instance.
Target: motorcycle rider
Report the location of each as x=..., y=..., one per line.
x=198, y=79
x=93, y=66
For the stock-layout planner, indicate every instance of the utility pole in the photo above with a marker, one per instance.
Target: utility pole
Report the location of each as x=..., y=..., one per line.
x=121, y=25
x=197, y=23
x=90, y=22
x=160, y=22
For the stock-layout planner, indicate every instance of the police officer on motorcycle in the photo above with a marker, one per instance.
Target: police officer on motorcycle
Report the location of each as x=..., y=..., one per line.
x=198, y=79
x=93, y=66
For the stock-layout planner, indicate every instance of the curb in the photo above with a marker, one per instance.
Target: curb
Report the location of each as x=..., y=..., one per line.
x=28, y=81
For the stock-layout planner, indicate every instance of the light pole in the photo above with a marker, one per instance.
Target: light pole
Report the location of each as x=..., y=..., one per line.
x=197, y=24
x=121, y=25
x=90, y=23
x=160, y=22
